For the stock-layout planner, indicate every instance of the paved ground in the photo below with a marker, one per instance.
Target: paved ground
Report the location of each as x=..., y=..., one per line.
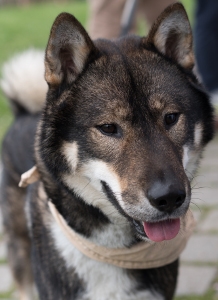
x=199, y=262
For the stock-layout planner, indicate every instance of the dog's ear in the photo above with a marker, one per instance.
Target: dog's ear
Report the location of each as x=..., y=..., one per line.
x=68, y=50
x=171, y=35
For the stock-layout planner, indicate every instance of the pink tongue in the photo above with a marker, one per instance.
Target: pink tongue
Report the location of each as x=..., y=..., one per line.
x=160, y=231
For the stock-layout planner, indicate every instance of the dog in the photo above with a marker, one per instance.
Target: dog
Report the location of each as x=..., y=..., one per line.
x=115, y=146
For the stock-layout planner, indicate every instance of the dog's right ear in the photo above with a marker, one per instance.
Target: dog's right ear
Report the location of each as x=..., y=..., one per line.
x=68, y=50
x=171, y=35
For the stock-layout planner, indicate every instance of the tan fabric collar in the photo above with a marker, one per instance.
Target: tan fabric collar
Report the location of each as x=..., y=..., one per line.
x=144, y=255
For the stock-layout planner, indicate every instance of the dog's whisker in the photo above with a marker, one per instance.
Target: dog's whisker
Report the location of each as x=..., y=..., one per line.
x=196, y=206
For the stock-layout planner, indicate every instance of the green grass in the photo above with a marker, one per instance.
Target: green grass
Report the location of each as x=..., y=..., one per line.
x=190, y=7
x=5, y=116
x=8, y=294
x=26, y=27
x=211, y=295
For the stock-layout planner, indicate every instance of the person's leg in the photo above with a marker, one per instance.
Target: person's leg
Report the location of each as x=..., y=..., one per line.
x=151, y=9
x=105, y=18
x=206, y=43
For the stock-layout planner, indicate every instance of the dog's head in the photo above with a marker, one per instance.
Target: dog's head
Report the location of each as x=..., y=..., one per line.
x=126, y=120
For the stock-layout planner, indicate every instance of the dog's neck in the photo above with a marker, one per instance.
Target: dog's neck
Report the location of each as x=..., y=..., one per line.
x=92, y=223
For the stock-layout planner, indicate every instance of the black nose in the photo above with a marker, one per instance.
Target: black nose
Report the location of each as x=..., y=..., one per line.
x=166, y=197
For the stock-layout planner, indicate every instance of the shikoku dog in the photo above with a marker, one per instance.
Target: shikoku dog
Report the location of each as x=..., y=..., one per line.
x=117, y=144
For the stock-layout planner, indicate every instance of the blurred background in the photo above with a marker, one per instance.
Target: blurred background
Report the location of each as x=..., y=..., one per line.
x=26, y=24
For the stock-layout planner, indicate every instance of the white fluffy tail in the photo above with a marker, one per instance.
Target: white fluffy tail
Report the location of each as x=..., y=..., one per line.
x=23, y=80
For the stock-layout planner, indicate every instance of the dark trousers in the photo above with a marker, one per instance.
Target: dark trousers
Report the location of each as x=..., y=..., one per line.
x=206, y=42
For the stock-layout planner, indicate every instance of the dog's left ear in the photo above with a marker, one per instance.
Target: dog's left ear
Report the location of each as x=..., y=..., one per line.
x=171, y=35
x=68, y=50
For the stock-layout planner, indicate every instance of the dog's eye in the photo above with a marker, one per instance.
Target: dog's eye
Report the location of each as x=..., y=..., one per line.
x=171, y=119
x=108, y=129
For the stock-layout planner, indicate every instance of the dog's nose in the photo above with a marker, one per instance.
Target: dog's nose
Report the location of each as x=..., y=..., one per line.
x=166, y=197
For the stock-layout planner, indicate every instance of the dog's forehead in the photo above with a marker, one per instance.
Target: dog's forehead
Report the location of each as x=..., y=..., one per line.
x=124, y=78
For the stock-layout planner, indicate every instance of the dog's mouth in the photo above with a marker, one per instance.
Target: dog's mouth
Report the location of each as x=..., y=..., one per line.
x=158, y=231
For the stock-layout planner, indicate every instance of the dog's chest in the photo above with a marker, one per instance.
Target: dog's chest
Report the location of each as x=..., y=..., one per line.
x=102, y=281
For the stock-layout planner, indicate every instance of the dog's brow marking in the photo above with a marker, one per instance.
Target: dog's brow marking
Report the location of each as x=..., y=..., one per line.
x=71, y=153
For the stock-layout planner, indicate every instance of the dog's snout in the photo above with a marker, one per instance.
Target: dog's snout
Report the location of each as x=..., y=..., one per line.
x=166, y=198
